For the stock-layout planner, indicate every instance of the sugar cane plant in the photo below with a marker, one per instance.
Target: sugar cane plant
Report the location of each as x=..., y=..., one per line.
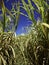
x=7, y=53
x=38, y=48
x=7, y=39
x=31, y=49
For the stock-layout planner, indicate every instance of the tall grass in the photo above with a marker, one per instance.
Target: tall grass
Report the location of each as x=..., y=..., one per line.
x=37, y=46
x=6, y=21
x=30, y=49
x=7, y=39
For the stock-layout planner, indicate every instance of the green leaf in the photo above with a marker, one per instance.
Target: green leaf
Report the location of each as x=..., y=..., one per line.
x=45, y=24
x=27, y=9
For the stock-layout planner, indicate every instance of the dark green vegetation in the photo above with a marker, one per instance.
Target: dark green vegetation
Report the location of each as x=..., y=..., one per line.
x=30, y=49
x=7, y=53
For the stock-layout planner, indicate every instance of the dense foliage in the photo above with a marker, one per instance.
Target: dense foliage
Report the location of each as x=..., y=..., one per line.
x=36, y=48
x=32, y=48
x=7, y=53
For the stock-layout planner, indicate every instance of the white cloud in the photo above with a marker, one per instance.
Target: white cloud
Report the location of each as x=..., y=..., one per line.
x=22, y=34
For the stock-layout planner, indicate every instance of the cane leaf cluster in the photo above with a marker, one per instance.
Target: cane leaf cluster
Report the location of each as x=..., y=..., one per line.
x=7, y=53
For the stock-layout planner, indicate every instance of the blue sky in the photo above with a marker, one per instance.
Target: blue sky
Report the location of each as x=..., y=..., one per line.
x=23, y=21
